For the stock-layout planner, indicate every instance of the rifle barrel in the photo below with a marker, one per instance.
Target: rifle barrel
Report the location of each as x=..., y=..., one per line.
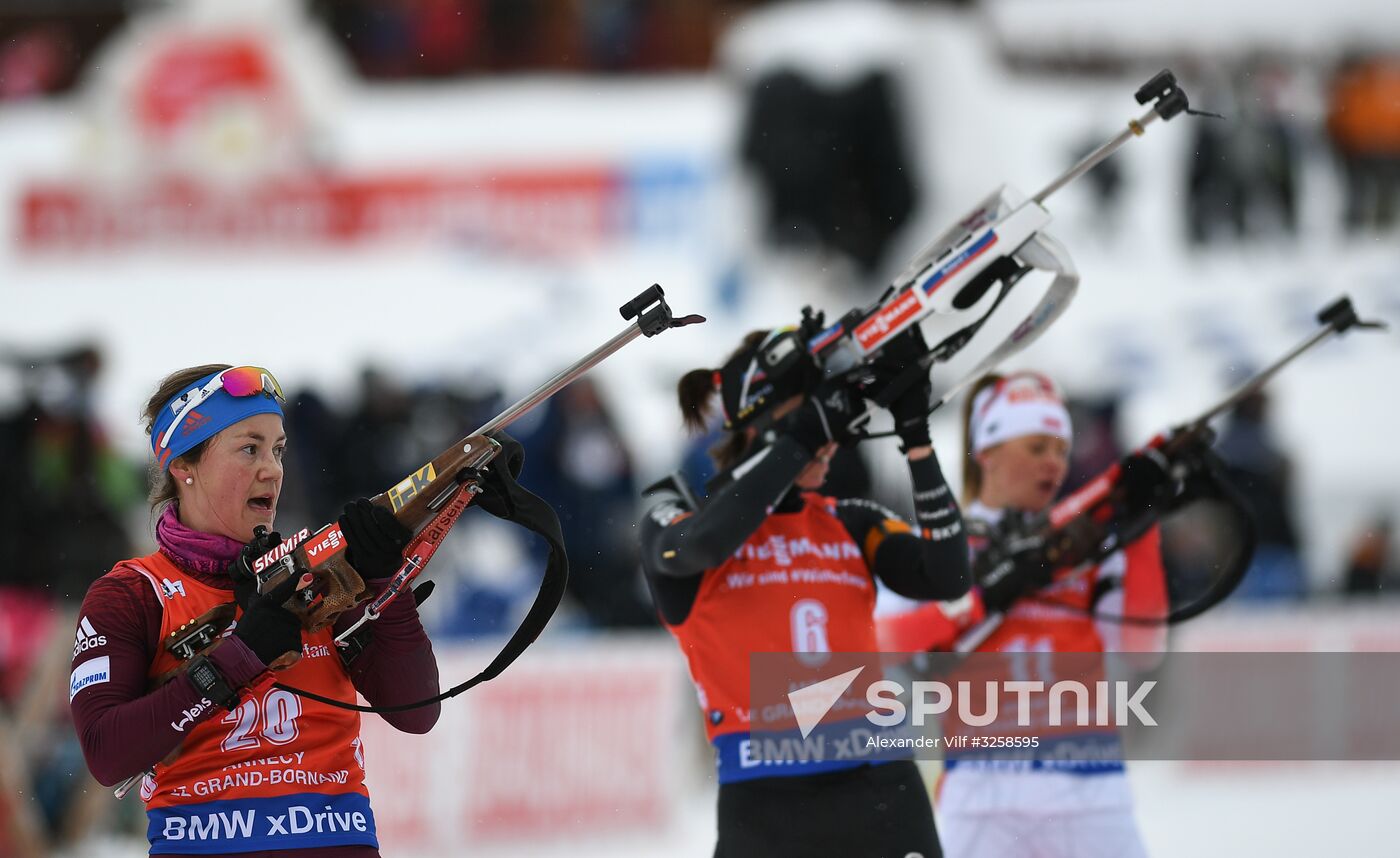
x=1262, y=377
x=559, y=381
x=1088, y=162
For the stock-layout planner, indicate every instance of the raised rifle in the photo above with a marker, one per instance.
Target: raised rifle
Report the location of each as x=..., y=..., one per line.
x=428, y=502
x=948, y=291
x=1092, y=523
x=955, y=284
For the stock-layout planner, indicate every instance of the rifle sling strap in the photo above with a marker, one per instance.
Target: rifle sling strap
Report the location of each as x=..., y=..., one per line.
x=532, y=513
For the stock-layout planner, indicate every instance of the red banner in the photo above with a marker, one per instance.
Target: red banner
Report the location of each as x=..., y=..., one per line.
x=548, y=210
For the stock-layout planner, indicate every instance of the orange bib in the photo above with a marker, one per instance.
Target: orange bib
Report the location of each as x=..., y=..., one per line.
x=798, y=584
x=279, y=772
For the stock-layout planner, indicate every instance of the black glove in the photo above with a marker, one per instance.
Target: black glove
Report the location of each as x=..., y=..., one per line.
x=1207, y=476
x=1145, y=482
x=910, y=411
x=241, y=571
x=375, y=540
x=825, y=416
x=897, y=364
x=1013, y=563
x=498, y=478
x=268, y=629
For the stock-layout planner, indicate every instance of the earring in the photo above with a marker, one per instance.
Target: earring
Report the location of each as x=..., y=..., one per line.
x=189, y=481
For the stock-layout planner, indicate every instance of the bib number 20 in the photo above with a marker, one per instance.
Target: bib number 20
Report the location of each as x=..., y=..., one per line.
x=273, y=718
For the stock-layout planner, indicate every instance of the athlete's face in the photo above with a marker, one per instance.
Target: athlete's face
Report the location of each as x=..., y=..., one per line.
x=237, y=481
x=1024, y=473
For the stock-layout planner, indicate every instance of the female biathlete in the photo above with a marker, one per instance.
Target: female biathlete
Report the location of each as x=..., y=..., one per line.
x=783, y=428
x=239, y=767
x=1017, y=454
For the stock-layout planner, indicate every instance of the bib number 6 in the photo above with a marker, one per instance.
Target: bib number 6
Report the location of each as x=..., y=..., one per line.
x=809, y=620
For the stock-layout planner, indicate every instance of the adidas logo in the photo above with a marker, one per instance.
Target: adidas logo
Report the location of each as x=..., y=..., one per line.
x=88, y=638
x=193, y=421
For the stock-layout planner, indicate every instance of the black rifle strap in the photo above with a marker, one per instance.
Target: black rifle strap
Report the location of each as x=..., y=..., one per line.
x=532, y=513
x=1207, y=482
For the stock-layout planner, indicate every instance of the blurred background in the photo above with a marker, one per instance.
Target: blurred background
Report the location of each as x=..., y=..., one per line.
x=413, y=211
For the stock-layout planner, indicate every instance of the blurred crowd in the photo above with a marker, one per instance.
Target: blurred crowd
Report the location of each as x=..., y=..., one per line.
x=440, y=38
x=1245, y=178
x=45, y=46
x=1247, y=175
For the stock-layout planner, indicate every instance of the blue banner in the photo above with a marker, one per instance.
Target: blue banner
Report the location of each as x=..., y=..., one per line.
x=299, y=821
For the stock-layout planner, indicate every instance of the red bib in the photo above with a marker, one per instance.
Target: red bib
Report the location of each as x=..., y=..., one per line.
x=1032, y=625
x=798, y=584
x=278, y=772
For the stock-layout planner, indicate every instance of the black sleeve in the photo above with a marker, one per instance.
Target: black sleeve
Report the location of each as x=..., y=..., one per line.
x=930, y=564
x=677, y=546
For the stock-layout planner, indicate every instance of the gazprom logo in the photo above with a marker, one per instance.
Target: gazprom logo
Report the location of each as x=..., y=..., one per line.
x=94, y=671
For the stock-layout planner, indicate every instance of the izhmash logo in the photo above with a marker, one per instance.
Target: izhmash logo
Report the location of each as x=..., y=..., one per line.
x=401, y=494
x=87, y=637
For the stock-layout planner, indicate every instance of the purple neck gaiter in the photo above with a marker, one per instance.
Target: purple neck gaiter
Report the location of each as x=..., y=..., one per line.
x=206, y=553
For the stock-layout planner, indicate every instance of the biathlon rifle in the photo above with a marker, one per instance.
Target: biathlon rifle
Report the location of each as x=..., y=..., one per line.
x=1086, y=527
x=428, y=502
x=947, y=291
x=954, y=285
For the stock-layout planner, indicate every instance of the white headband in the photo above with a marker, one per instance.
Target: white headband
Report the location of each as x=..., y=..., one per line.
x=1025, y=403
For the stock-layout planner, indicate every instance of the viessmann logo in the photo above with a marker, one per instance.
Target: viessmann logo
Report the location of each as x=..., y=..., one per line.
x=325, y=544
x=873, y=330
